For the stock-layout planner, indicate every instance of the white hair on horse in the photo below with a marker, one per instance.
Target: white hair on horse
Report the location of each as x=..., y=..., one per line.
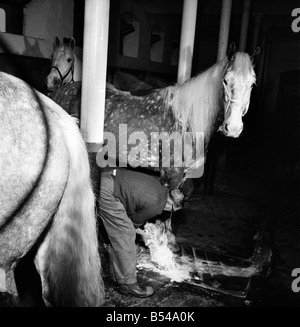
x=69, y=258
x=197, y=102
x=46, y=198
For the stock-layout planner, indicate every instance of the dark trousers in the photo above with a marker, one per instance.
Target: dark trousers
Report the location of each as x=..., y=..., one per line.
x=121, y=233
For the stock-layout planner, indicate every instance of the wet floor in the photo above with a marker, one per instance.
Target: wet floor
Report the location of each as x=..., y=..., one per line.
x=245, y=214
x=229, y=225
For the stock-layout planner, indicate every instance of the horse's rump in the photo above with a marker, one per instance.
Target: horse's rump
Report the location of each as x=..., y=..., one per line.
x=43, y=149
x=34, y=169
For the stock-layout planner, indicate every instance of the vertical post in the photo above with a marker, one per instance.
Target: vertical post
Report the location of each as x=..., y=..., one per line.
x=187, y=37
x=245, y=24
x=96, y=19
x=217, y=154
x=224, y=29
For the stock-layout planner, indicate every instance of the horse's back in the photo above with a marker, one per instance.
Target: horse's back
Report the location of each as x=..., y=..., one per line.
x=34, y=167
x=69, y=98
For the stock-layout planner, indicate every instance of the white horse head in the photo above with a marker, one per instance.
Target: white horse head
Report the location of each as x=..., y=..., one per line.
x=65, y=67
x=238, y=80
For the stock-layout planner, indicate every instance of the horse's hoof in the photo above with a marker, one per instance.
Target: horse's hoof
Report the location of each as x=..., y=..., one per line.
x=8, y=300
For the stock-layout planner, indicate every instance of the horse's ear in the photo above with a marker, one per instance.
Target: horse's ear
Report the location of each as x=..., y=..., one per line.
x=231, y=51
x=72, y=43
x=255, y=55
x=56, y=42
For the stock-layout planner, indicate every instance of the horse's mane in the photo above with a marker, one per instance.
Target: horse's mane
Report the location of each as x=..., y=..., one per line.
x=196, y=102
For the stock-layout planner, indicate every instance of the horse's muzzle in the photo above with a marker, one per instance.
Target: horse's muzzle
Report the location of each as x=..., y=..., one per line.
x=52, y=83
x=230, y=131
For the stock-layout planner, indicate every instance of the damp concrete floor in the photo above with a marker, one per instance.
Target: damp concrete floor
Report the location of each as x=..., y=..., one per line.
x=245, y=214
x=228, y=224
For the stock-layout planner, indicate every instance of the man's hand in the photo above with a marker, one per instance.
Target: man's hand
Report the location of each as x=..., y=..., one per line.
x=175, y=200
x=145, y=237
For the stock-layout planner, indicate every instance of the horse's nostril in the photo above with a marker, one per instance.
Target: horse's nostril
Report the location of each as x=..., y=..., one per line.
x=226, y=128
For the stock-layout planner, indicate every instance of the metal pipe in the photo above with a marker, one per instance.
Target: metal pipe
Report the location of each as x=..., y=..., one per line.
x=244, y=27
x=96, y=19
x=224, y=29
x=188, y=26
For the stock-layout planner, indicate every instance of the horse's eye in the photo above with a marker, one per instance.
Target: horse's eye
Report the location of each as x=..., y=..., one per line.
x=69, y=60
x=225, y=82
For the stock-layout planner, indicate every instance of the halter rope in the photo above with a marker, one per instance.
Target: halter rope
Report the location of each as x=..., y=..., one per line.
x=230, y=99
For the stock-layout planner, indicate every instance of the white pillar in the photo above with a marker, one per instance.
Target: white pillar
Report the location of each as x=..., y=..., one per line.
x=245, y=24
x=95, y=46
x=187, y=38
x=224, y=29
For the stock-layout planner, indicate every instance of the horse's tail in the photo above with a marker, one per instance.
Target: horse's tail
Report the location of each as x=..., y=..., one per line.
x=71, y=260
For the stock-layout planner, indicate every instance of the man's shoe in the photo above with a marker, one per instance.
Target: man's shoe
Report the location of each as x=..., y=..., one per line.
x=136, y=290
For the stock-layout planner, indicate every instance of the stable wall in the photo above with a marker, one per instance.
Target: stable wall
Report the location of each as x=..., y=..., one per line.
x=283, y=54
x=43, y=20
x=27, y=55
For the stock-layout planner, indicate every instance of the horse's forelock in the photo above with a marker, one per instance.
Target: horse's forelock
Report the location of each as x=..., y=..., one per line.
x=62, y=49
x=242, y=64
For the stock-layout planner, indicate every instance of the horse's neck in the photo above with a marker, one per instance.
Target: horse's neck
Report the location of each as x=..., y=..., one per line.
x=77, y=70
x=196, y=106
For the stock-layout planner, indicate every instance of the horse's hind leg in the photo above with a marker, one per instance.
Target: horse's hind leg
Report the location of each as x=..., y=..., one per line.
x=40, y=264
x=8, y=290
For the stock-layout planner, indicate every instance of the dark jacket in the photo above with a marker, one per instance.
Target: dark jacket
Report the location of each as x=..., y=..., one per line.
x=142, y=195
